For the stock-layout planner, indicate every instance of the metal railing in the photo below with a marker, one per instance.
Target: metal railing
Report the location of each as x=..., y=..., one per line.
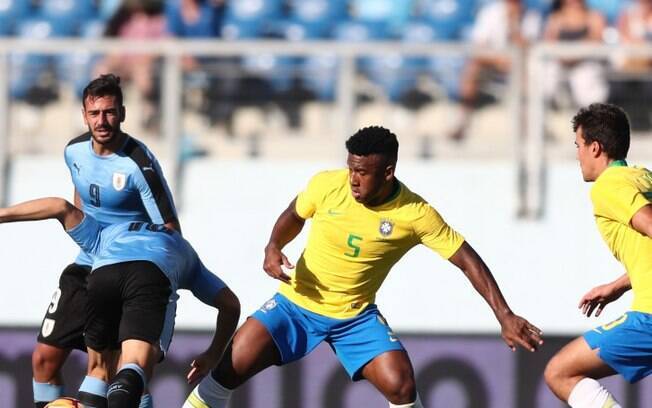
x=534, y=153
x=172, y=50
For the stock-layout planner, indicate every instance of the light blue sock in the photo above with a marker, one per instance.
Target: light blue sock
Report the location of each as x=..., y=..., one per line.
x=95, y=386
x=146, y=401
x=44, y=392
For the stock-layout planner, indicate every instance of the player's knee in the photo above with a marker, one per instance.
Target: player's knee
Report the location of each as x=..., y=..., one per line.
x=127, y=387
x=553, y=372
x=400, y=388
x=226, y=373
x=45, y=364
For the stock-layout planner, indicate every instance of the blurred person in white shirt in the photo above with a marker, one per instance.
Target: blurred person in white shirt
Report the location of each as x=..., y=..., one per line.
x=498, y=25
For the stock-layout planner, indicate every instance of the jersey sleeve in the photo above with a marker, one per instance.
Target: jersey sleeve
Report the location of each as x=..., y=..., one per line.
x=68, y=159
x=435, y=233
x=87, y=234
x=617, y=199
x=312, y=196
x=205, y=285
x=154, y=192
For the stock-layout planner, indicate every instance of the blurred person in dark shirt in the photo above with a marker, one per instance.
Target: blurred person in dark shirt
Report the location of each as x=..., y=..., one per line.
x=574, y=21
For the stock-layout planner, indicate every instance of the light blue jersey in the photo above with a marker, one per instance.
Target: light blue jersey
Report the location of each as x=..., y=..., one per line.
x=125, y=186
x=140, y=241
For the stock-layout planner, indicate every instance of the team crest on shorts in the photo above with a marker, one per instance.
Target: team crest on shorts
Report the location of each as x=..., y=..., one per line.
x=119, y=181
x=269, y=305
x=386, y=227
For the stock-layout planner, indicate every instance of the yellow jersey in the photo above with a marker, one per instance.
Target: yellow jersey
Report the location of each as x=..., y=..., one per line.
x=351, y=248
x=618, y=193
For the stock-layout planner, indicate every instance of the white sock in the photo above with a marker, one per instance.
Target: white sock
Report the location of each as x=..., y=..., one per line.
x=415, y=404
x=588, y=393
x=208, y=394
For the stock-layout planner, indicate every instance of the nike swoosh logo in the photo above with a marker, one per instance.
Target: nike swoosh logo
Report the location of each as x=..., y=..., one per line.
x=333, y=212
x=148, y=168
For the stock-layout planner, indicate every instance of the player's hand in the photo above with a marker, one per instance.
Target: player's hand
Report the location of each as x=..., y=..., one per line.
x=201, y=366
x=597, y=298
x=274, y=263
x=518, y=331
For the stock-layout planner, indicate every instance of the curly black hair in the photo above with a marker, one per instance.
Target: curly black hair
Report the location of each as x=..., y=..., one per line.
x=374, y=140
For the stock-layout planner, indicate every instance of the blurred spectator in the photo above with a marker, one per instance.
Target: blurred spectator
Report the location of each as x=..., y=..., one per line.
x=215, y=78
x=137, y=20
x=194, y=18
x=631, y=86
x=572, y=20
x=635, y=27
x=498, y=25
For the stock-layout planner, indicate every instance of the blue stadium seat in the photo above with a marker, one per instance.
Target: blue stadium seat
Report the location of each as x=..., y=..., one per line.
x=249, y=18
x=320, y=76
x=382, y=70
x=447, y=72
x=542, y=6
x=611, y=9
x=66, y=15
x=11, y=12
x=448, y=17
x=384, y=15
x=317, y=16
x=357, y=31
x=77, y=68
x=27, y=68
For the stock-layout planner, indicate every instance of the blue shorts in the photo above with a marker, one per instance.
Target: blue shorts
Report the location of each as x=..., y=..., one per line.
x=625, y=345
x=297, y=331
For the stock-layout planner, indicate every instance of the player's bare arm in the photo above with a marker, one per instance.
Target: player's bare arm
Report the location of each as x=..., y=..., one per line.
x=597, y=298
x=42, y=209
x=515, y=329
x=76, y=199
x=287, y=227
x=173, y=225
x=227, y=320
x=642, y=220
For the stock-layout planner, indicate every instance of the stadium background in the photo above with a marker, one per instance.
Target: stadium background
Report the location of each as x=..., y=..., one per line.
x=241, y=121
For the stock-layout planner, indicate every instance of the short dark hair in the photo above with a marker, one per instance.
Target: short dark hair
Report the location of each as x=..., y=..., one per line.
x=104, y=85
x=606, y=124
x=373, y=140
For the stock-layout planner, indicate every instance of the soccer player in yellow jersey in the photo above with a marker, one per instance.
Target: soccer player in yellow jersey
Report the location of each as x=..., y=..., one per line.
x=363, y=221
x=621, y=205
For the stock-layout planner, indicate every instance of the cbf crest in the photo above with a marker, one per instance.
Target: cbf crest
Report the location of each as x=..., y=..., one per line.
x=269, y=305
x=119, y=181
x=386, y=228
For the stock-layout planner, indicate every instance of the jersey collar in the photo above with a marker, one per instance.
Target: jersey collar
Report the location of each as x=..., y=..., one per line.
x=618, y=163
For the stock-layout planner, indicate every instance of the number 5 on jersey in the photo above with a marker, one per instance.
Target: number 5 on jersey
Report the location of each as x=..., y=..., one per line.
x=355, y=248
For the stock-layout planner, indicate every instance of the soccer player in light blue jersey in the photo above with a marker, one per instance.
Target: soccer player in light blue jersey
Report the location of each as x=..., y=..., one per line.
x=116, y=179
x=137, y=268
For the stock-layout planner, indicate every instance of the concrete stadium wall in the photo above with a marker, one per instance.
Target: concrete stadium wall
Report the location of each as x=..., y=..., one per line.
x=543, y=267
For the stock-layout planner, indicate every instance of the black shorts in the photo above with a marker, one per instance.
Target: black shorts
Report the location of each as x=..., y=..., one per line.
x=65, y=318
x=126, y=301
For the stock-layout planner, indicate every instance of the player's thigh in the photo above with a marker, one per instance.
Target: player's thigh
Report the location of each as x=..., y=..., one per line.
x=577, y=359
x=392, y=374
x=251, y=351
x=146, y=296
x=361, y=340
x=625, y=344
x=104, y=311
x=65, y=317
